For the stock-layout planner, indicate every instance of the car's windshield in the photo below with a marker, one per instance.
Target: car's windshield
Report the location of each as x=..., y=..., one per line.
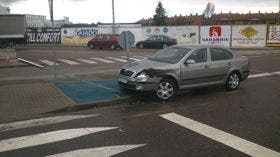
x=170, y=54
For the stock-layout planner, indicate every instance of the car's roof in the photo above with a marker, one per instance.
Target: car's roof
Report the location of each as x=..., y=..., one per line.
x=192, y=46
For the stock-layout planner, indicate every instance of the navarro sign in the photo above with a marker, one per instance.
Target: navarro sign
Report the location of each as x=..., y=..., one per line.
x=86, y=32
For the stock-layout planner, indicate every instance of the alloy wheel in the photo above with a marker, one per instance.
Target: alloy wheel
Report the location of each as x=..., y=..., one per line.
x=165, y=90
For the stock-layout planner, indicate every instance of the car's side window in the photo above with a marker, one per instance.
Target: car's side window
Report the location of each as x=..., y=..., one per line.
x=160, y=38
x=152, y=38
x=228, y=55
x=218, y=54
x=199, y=56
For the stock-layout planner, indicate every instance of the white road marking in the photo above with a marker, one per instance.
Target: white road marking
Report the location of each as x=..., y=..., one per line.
x=116, y=59
x=98, y=152
x=260, y=75
x=87, y=61
x=40, y=121
x=102, y=60
x=49, y=137
x=132, y=58
x=232, y=141
x=48, y=62
x=140, y=57
x=277, y=72
x=68, y=61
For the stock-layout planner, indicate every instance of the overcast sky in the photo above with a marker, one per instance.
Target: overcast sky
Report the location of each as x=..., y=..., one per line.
x=93, y=11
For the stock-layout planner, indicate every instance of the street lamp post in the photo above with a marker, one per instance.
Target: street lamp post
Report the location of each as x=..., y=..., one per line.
x=113, y=12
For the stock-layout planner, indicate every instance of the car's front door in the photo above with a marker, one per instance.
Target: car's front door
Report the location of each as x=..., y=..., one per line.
x=194, y=70
x=151, y=42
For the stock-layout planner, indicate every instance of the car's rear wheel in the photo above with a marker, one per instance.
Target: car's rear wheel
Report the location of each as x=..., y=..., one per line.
x=91, y=46
x=166, y=89
x=233, y=81
x=141, y=46
x=113, y=47
x=164, y=46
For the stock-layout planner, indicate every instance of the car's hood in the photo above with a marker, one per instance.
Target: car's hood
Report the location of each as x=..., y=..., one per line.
x=150, y=65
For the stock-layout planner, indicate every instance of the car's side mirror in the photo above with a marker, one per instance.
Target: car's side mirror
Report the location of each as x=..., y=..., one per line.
x=190, y=61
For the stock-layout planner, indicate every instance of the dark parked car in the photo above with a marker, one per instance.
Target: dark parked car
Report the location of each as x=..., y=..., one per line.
x=185, y=66
x=157, y=41
x=102, y=41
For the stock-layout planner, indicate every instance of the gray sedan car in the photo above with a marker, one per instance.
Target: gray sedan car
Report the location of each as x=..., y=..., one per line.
x=185, y=66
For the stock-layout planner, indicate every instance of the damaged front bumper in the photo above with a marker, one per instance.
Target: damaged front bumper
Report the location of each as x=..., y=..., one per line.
x=149, y=84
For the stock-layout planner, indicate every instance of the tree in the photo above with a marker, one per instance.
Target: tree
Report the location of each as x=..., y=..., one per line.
x=160, y=16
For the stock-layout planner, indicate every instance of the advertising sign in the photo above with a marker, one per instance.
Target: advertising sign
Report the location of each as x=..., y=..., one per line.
x=43, y=35
x=215, y=35
x=273, y=38
x=183, y=34
x=249, y=36
x=77, y=36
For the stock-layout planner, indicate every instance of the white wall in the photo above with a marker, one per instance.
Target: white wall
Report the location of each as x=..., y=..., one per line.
x=183, y=34
x=249, y=35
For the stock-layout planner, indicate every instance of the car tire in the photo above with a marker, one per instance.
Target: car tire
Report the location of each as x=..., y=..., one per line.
x=113, y=47
x=141, y=46
x=233, y=81
x=4, y=44
x=91, y=46
x=164, y=46
x=166, y=89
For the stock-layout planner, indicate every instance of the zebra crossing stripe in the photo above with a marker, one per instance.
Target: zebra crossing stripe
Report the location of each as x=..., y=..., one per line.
x=116, y=59
x=142, y=57
x=40, y=122
x=87, y=61
x=98, y=152
x=225, y=138
x=48, y=62
x=277, y=73
x=68, y=61
x=132, y=58
x=49, y=137
x=102, y=60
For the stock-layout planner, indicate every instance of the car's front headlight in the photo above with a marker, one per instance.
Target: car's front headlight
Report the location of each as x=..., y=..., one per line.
x=142, y=77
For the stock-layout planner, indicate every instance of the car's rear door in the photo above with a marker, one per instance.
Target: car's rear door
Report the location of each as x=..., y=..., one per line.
x=220, y=63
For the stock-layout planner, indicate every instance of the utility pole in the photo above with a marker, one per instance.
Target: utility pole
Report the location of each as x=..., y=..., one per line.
x=279, y=13
x=53, y=40
x=113, y=12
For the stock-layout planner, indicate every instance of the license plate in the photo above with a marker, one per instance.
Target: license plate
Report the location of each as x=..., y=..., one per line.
x=122, y=80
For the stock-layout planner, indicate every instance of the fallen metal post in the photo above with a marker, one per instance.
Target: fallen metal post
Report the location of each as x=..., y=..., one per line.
x=29, y=62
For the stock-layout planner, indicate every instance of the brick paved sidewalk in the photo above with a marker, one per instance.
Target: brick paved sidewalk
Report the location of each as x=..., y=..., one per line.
x=27, y=100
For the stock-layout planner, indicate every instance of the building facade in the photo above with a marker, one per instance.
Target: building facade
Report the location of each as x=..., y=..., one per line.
x=219, y=19
x=4, y=10
x=35, y=20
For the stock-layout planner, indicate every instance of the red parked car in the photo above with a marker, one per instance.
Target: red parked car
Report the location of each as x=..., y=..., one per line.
x=103, y=41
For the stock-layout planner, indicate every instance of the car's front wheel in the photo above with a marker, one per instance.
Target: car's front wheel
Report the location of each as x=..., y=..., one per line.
x=141, y=46
x=164, y=46
x=113, y=47
x=91, y=46
x=166, y=89
x=233, y=81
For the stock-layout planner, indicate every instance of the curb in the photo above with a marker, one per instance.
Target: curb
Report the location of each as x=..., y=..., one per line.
x=88, y=105
x=13, y=66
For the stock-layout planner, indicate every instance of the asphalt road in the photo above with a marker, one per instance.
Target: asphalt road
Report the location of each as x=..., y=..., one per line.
x=244, y=122
x=83, y=63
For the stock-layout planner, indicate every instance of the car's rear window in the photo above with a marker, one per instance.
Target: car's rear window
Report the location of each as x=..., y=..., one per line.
x=170, y=54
